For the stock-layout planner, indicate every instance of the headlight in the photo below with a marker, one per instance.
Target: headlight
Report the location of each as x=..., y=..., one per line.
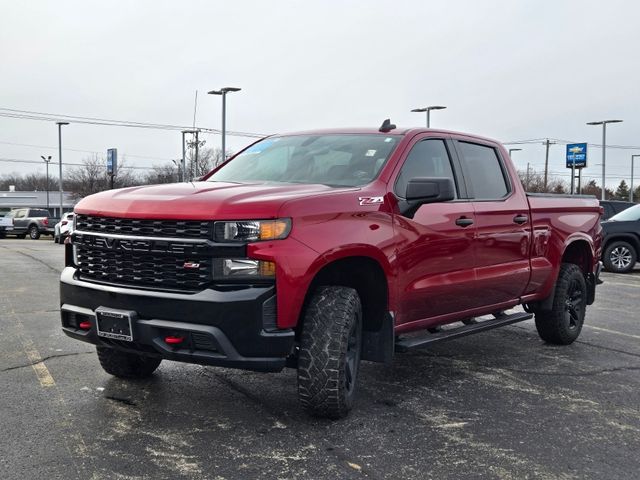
x=252, y=230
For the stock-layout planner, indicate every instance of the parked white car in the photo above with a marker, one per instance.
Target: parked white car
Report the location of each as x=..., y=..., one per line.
x=63, y=228
x=6, y=225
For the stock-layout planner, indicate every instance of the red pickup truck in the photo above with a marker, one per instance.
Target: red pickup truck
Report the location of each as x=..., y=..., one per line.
x=317, y=250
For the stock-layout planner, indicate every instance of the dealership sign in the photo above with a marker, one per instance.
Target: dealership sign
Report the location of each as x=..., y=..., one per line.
x=112, y=161
x=576, y=155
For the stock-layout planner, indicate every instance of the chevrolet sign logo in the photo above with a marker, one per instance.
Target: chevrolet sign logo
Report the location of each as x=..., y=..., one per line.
x=137, y=246
x=576, y=149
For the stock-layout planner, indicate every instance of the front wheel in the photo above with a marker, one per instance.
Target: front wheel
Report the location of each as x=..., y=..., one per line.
x=126, y=365
x=330, y=349
x=563, y=323
x=34, y=233
x=619, y=257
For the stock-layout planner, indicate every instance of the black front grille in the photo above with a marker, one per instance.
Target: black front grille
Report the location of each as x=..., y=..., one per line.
x=145, y=228
x=147, y=270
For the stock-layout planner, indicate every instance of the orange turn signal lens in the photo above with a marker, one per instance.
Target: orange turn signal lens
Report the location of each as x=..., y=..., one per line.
x=266, y=269
x=274, y=229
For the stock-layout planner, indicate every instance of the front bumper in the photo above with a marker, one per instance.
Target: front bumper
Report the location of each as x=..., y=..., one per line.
x=229, y=326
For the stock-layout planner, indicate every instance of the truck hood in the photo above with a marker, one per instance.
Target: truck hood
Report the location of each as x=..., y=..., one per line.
x=199, y=200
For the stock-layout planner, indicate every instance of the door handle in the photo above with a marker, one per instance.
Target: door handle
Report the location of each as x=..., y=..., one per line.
x=464, y=222
x=520, y=219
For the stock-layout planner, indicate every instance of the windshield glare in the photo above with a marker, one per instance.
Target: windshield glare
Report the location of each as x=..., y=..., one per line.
x=631, y=214
x=334, y=160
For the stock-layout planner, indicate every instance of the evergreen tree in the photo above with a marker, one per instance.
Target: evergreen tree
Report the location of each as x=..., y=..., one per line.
x=622, y=192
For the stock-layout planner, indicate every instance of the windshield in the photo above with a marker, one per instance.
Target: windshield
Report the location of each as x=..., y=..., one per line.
x=334, y=160
x=631, y=214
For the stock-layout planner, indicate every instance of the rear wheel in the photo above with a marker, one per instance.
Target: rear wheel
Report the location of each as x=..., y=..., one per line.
x=34, y=233
x=619, y=257
x=562, y=324
x=330, y=349
x=126, y=365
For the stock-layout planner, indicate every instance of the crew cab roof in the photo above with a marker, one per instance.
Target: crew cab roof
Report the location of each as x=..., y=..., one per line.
x=403, y=131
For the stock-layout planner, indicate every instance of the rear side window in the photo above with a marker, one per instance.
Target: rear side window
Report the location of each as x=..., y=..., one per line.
x=33, y=213
x=427, y=158
x=484, y=170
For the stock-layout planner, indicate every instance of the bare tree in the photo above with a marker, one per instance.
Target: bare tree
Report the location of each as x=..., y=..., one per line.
x=592, y=188
x=534, y=183
x=28, y=182
x=208, y=158
x=91, y=177
x=165, y=173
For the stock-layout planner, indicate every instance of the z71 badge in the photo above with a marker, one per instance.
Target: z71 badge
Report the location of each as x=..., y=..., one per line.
x=370, y=200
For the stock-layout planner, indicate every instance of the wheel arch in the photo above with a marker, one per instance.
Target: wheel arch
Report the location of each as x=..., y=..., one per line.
x=626, y=237
x=368, y=277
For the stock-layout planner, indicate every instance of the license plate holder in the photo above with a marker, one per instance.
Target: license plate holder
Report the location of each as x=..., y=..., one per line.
x=115, y=324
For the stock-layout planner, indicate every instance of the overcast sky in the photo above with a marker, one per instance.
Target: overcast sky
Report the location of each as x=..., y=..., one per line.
x=510, y=70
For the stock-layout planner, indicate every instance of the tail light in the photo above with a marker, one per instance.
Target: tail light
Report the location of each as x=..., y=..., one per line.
x=45, y=221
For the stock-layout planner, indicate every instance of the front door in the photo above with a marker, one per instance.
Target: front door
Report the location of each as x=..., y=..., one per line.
x=434, y=259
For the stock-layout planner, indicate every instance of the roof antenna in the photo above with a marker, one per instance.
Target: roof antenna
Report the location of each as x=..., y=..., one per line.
x=386, y=126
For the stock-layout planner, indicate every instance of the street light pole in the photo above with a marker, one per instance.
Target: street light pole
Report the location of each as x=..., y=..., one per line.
x=47, y=160
x=631, y=188
x=604, y=150
x=428, y=111
x=60, y=124
x=223, y=91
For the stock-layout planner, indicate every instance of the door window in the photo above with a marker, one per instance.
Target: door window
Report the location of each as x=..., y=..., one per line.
x=427, y=158
x=485, y=172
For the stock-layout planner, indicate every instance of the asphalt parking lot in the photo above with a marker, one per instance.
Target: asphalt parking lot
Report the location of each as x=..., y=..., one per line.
x=501, y=404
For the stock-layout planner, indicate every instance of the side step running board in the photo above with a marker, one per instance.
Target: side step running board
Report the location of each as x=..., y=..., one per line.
x=405, y=344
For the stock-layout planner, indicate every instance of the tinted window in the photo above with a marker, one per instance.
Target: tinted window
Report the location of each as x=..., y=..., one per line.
x=428, y=158
x=38, y=213
x=629, y=215
x=484, y=170
x=608, y=210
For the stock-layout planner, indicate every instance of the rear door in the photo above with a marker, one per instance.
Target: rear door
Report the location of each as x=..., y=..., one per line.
x=503, y=225
x=435, y=245
x=20, y=220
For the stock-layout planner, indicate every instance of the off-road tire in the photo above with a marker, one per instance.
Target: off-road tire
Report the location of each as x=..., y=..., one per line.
x=615, y=257
x=34, y=232
x=563, y=323
x=329, y=354
x=126, y=365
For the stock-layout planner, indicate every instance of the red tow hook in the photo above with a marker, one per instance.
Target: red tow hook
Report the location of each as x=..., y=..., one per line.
x=86, y=325
x=173, y=340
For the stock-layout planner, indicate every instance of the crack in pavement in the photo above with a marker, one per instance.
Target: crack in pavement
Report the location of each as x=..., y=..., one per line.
x=329, y=447
x=31, y=364
x=577, y=374
x=33, y=258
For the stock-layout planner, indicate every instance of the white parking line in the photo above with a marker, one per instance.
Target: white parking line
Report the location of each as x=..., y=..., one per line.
x=613, y=331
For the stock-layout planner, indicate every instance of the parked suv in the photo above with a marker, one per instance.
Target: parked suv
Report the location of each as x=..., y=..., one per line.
x=613, y=207
x=63, y=228
x=621, y=240
x=31, y=221
x=317, y=250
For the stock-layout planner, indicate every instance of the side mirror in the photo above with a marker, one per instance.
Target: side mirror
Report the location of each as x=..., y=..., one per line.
x=430, y=190
x=426, y=190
